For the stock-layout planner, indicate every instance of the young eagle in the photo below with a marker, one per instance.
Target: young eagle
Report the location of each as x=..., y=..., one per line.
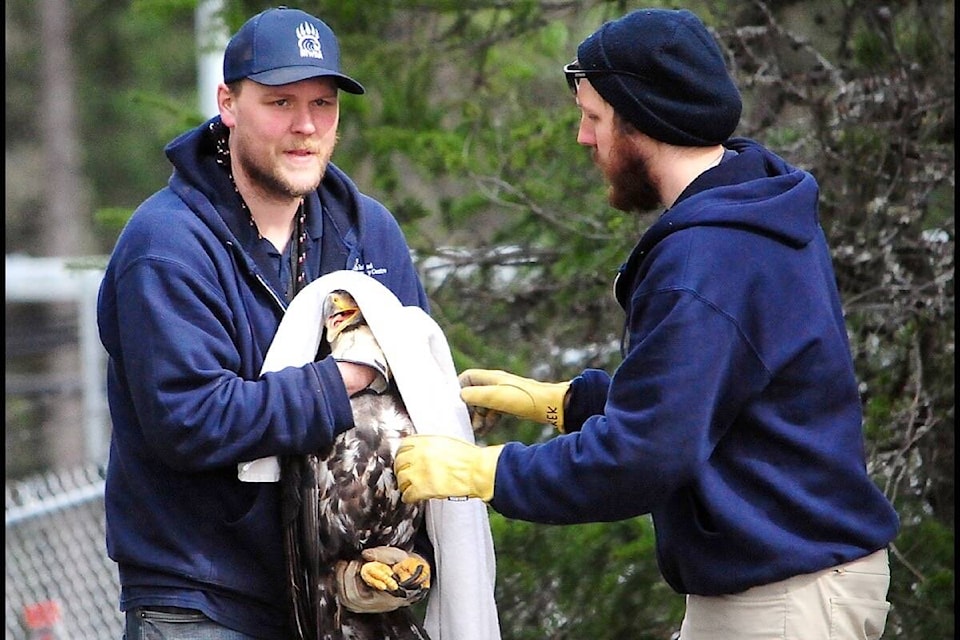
x=342, y=506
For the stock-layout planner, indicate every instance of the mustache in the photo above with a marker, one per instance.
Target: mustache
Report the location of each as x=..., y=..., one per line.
x=315, y=149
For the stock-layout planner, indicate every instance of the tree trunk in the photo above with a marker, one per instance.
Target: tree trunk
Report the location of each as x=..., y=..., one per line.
x=65, y=231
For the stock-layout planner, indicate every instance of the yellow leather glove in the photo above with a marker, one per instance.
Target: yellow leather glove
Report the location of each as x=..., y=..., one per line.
x=389, y=579
x=489, y=393
x=444, y=467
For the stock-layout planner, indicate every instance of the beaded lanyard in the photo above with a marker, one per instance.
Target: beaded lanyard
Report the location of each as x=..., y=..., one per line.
x=298, y=253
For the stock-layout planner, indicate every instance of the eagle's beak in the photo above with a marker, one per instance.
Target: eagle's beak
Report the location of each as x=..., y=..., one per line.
x=340, y=318
x=341, y=311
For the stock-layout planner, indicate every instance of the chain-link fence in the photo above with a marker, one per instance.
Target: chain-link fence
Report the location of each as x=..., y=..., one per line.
x=60, y=583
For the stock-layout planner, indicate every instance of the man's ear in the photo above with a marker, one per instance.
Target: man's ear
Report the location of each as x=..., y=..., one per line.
x=226, y=100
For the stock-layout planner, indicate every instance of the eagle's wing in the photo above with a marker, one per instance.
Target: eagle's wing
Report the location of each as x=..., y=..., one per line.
x=291, y=501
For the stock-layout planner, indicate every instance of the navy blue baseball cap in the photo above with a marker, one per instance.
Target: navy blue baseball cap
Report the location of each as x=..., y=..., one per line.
x=282, y=46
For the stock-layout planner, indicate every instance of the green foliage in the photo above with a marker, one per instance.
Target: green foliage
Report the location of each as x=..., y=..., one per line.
x=581, y=581
x=783, y=138
x=135, y=104
x=20, y=418
x=870, y=50
x=922, y=591
x=113, y=217
x=163, y=11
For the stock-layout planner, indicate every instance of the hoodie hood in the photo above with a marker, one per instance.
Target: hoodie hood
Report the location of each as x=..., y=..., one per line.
x=752, y=190
x=756, y=190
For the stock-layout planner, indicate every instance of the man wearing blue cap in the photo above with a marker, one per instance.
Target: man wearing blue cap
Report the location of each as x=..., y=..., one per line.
x=192, y=297
x=734, y=418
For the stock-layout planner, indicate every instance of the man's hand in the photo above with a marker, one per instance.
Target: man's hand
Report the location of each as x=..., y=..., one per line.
x=489, y=393
x=357, y=345
x=356, y=377
x=444, y=467
x=389, y=578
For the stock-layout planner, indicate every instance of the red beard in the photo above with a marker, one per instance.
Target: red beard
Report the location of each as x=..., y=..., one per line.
x=628, y=173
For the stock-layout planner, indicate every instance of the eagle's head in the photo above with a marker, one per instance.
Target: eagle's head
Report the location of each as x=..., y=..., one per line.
x=340, y=313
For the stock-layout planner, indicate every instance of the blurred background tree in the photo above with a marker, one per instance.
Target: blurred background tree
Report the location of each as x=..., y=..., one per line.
x=467, y=133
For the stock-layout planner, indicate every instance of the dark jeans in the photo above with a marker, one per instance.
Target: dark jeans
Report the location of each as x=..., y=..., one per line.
x=174, y=623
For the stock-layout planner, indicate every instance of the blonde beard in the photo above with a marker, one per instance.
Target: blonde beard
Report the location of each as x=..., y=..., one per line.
x=271, y=180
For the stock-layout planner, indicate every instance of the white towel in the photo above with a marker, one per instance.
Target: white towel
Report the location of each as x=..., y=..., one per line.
x=460, y=603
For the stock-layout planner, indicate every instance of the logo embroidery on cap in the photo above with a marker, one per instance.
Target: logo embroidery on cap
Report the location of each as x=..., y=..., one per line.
x=308, y=38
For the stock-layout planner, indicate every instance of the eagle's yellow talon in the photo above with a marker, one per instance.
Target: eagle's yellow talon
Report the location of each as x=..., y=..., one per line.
x=412, y=569
x=378, y=575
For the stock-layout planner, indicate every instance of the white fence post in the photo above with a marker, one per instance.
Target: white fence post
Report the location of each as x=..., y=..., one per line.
x=30, y=279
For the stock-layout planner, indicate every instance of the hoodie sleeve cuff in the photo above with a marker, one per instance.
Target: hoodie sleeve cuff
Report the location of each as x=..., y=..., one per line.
x=335, y=403
x=588, y=395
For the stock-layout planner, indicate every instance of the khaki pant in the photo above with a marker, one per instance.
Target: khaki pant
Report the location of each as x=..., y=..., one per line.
x=847, y=602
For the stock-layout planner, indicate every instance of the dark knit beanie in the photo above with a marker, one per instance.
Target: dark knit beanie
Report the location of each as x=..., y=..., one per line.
x=681, y=92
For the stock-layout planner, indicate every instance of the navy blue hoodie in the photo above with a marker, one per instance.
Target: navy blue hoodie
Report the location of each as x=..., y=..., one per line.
x=734, y=418
x=186, y=313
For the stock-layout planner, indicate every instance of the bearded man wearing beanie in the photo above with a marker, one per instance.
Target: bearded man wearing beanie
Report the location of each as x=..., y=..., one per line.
x=734, y=418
